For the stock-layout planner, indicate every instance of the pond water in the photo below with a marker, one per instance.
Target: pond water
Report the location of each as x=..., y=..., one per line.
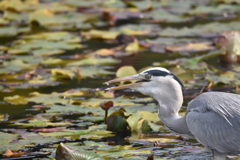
x=54, y=62
x=171, y=145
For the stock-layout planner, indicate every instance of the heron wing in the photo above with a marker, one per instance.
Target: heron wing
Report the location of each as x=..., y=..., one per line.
x=214, y=120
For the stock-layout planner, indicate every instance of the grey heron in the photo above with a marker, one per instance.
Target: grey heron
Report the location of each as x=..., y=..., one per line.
x=213, y=118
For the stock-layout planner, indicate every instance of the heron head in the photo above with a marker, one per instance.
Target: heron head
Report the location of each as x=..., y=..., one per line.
x=149, y=82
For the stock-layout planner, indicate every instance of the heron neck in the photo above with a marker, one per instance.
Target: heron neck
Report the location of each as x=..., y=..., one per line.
x=176, y=124
x=169, y=105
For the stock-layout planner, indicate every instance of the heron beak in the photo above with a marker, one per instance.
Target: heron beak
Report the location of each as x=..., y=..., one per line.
x=135, y=77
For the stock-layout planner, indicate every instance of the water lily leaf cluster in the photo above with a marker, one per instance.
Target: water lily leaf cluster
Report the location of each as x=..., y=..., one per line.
x=47, y=43
x=107, y=151
x=141, y=122
x=55, y=55
x=17, y=141
x=33, y=53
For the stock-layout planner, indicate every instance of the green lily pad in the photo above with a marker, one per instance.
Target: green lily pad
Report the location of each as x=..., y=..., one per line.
x=214, y=27
x=8, y=31
x=125, y=151
x=46, y=43
x=132, y=47
x=133, y=121
x=52, y=61
x=116, y=122
x=63, y=73
x=54, y=36
x=29, y=59
x=41, y=122
x=14, y=16
x=46, y=52
x=14, y=4
x=101, y=34
x=91, y=71
x=94, y=61
x=35, y=138
x=195, y=63
x=64, y=133
x=142, y=122
x=79, y=72
x=12, y=141
x=93, y=119
x=141, y=5
x=69, y=108
x=165, y=16
x=216, y=10
x=98, y=134
x=7, y=142
x=48, y=99
x=153, y=117
x=227, y=77
x=16, y=99
x=14, y=66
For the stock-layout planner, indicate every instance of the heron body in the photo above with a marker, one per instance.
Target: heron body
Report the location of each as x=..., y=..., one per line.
x=213, y=118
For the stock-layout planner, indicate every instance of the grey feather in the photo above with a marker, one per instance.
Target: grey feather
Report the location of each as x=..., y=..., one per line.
x=227, y=105
x=214, y=120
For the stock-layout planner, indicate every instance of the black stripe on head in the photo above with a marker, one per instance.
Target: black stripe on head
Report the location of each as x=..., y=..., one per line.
x=157, y=73
x=178, y=80
x=164, y=74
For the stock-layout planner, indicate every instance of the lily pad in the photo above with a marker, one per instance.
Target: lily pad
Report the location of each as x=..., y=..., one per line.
x=190, y=47
x=94, y=61
x=55, y=36
x=8, y=141
x=46, y=43
x=16, y=99
x=12, y=142
x=100, y=34
x=91, y=71
x=67, y=153
x=126, y=71
x=227, y=77
x=116, y=122
x=52, y=61
x=12, y=31
x=198, y=30
x=63, y=73
x=65, y=132
x=69, y=108
x=48, y=99
x=14, y=66
x=195, y=63
x=41, y=123
x=35, y=138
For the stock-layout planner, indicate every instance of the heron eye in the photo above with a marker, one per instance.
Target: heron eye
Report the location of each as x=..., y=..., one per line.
x=148, y=76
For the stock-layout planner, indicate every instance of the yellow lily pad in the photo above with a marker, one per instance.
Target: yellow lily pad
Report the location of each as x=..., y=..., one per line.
x=126, y=71
x=16, y=99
